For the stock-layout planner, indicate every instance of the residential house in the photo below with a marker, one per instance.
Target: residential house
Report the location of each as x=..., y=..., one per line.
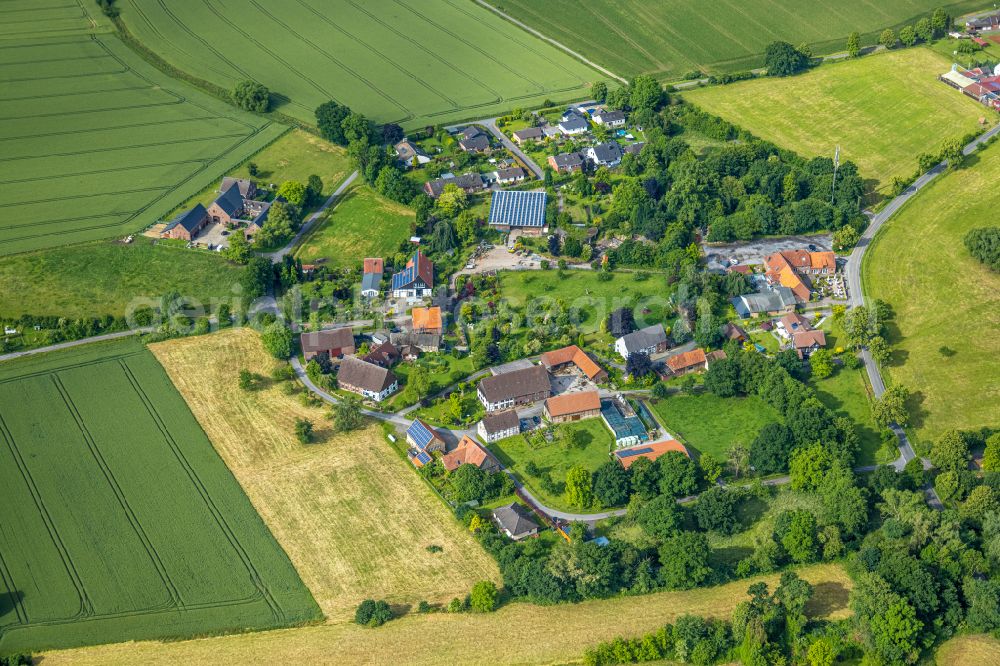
x=416, y=280
x=474, y=140
x=528, y=134
x=524, y=211
x=804, y=338
x=572, y=406
x=426, y=320
x=248, y=188
x=470, y=452
x=515, y=521
x=612, y=119
x=733, y=332
x=773, y=302
x=607, y=154
x=494, y=427
x=792, y=323
x=410, y=344
x=227, y=207
x=371, y=277
x=335, y=342
x=187, y=225
x=410, y=154
x=573, y=356
x=634, y=148
x=787, y=269
x=687, y=362
x=366, y=379
x=652, y=451
x=470, y=183
x=385, y=355
x=423, y=440
x=510, y=176
x=566, y=162
x=573, y=123
x=520, y=387
x=649, y=340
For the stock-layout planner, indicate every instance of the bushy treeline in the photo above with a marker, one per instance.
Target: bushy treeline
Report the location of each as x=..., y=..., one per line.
x=983, y=243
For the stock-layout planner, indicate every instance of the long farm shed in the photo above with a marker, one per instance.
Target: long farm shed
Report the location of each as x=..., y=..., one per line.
x=120, y=521
x=412, y=62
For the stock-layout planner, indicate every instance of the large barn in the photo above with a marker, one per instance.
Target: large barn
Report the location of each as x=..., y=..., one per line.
x=524, y=211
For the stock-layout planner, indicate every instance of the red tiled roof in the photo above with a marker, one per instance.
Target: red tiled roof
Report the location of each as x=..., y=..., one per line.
x=572, y=354
x=686, y=360
x=373, y=265
x=573, y=403
x=427, y=319
x=652, y=451
x=468, y=451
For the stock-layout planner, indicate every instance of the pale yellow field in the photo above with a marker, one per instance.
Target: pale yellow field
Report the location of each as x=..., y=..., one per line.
x=975, y=650
x=883, y=110
x=352, y=516
x=516, y=634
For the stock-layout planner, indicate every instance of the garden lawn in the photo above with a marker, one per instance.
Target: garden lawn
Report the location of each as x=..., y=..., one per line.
x=590, y=297
x=946, y=303
x=553, y=460
x=412, y=62
x=546, y=634
x=97, y=143
x=882, y=110
x=669, y=39
x=120, y=522
x=105, y=277
x=440, y=369
x=707, y=423
x=361, y=224
x=352, y=514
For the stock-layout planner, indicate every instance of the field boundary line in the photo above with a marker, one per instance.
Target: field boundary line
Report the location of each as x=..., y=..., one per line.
x=255, y=577
x=133, y=519
x=559, y=45
x=86, y=605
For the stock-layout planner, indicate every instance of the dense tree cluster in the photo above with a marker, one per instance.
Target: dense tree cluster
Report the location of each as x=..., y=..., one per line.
x=983, y=243
x=783, y=59
x=251, y=96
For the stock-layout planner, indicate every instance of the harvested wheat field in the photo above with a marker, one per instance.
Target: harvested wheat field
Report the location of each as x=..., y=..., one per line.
x=515, y=634
x=354, y=519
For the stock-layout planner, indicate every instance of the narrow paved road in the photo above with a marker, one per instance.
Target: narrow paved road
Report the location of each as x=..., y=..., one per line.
x=278, y=255
x=73, y=343
x=491, y=125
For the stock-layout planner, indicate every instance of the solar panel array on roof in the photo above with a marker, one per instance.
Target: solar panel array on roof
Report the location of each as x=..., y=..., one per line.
x=420, y=434
x=518, y=209
x=424, y=457
x=404, y=277
x=628, y=453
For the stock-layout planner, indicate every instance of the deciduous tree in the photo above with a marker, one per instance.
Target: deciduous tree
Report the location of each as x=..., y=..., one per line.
x=251, y=96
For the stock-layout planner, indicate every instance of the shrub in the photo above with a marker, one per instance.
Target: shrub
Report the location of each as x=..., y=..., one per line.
x=484, y=596
x=371, y=613
x=251, y=96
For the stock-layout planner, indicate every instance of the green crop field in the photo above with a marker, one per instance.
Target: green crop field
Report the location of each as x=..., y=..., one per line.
x=946, y=303
x=361, y=224
x=49, y=18
x=668, y=39
x=412, y=62
x=120, y=520
x=94, y=142
x=882, y=110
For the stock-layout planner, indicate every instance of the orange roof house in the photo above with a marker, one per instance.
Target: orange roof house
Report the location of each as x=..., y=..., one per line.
x=560, y=358
x=787, y=267
x=690, y=361
x=470, y=452
x=427, y=320
x=573, y=406
x=374, y=265
x=652, y=451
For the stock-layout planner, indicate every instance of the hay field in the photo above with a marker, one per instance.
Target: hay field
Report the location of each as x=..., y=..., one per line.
x=352, y=516
x=973, y=650
x=95, y=143
x=412, y=62
x=947, y=304
x=119, y=520
x=883, y=110
x=515, y=634
x=672, y=37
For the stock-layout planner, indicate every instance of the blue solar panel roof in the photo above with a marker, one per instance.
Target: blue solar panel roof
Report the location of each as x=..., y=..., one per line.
x=518, y=209
x=424, y=457
x=420, y=434
x=628, y=453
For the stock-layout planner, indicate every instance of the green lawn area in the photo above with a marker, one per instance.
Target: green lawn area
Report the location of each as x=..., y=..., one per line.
x=361, y=224
x=442, y=370
x=593, y=298
x=439, y=413
x=104, y=277
x=882, y=110
x=706, y=423
x=295, y=156
x=946, y=303
x=553, y=460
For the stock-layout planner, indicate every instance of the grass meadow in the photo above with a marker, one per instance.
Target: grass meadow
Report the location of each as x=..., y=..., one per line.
x=351, y=513
x=707, y=423
x=946, y=303
x=97, y=143
x=882, y=110
x=969, y=650
x=412, y=62
x=545, y=634
x=669, y=39
x=103, y=277
x=361, y=224
x=120, y=521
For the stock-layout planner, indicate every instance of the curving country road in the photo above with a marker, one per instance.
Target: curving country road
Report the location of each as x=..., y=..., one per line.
x=278, y=255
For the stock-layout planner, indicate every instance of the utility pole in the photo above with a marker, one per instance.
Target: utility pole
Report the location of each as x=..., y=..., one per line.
x=836, y=165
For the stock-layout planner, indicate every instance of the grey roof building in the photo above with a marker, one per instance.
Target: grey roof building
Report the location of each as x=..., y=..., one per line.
x=191, y=220
x=605, y=154
x=514, y=521
x=648, y=340
x=776, y=299
x=514, y=388
x=247, y=187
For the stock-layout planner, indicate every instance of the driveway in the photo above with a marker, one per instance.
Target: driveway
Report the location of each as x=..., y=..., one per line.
x=753, y=252
x=278, y=255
